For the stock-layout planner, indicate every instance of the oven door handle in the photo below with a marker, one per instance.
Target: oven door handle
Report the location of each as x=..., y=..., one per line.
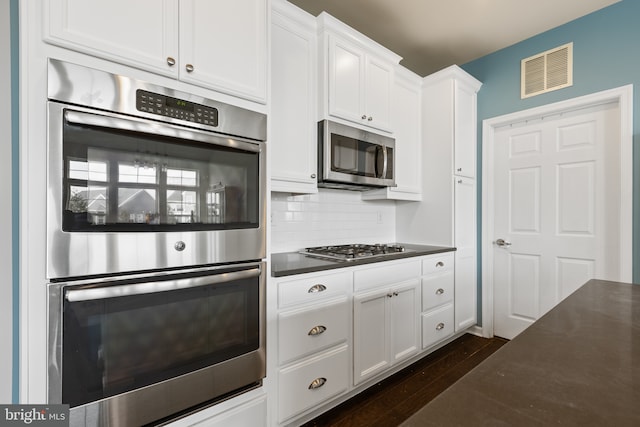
x=146, y=126
x=154, y=287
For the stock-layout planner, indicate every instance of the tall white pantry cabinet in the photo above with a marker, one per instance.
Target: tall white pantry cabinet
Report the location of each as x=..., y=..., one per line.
x=447, y=214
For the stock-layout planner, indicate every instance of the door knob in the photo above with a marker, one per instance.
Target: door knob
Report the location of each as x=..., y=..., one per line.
x=502, y=243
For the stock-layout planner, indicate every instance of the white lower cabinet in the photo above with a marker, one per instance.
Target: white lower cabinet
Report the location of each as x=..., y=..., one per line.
x=313, y=381
x=385, y=317
x=313, y=340
x=306, y=331
x=338, y=331
x=437, y=325
x=385, y=328
x=437, y=298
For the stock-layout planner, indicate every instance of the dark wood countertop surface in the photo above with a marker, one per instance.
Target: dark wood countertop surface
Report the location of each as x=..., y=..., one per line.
x=578, y=365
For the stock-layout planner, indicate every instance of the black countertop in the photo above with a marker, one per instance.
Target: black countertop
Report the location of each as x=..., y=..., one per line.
x=289, y=263
x=578, y=365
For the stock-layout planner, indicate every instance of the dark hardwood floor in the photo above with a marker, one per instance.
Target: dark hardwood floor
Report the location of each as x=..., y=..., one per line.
x=396, y=398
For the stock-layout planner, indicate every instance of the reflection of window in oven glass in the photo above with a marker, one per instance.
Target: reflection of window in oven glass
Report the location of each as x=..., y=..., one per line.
x=140, y=173
x=182, y=207
x=216, y=204
x=87, y=190
x=182, y=178
x=137, y=205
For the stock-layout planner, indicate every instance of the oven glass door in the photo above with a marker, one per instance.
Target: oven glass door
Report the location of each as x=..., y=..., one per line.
x=131, y=334
x=121, y=174
x=361, y=158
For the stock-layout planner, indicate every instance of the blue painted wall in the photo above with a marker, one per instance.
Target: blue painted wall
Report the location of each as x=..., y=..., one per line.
x=606, y=55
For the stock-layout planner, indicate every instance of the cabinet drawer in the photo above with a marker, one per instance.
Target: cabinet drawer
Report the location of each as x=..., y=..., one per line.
x=313, y=288
x=301, y=332
x=437, y=290
x=297, y=391
x=438, y=263
x=385, y=274
x=437, y=325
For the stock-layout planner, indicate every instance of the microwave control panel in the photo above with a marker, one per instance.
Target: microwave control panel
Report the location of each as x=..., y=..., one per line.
x=167, y=106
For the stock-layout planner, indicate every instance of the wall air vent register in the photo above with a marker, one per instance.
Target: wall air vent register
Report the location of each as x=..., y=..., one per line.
x=547, y=71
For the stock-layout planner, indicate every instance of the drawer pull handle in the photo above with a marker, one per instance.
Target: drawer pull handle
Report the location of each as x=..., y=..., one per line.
x=317, y=288
x=317, y=383
x=317, y=330
x=440, y=326
x=440, y=291
x=439, y=264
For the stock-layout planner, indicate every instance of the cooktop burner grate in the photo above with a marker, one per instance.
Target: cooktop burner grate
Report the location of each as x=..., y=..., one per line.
x=354, y=251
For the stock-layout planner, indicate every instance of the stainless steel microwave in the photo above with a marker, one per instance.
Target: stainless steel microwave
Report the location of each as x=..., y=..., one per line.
x=354, y=159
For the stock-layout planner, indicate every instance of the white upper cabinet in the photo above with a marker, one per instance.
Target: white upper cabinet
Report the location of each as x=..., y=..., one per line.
x=293, y=142
x=358, y=75
x=216, y=44
x=465, y=95
x=223, y=45
x=405, y=121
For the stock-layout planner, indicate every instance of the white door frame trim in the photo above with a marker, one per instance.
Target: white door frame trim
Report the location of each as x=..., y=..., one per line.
x=624, y=97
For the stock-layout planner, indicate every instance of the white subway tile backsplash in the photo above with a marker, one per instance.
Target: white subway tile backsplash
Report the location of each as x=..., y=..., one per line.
x=327, y=218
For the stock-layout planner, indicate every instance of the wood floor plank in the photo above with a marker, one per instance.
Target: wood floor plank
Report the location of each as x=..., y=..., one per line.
x=393, y=400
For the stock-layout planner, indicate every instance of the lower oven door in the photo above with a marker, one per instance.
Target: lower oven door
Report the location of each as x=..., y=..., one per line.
x=135, y=350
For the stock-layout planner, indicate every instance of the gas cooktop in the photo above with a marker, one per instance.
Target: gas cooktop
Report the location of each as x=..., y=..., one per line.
x=354, y=251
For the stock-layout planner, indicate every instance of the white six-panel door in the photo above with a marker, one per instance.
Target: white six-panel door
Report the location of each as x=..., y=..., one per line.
x=557, y=209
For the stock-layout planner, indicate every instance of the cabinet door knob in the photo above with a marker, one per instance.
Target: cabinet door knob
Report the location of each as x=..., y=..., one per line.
x=171, y=61
x=317, y=383
x=440, y=326
x=313, y=176
x=459, y=169
x=370, y=118
x=317, y=288
x=439, y=264
x=189, y=68
x=440, y=291
x=317, y=330
x=389, y=295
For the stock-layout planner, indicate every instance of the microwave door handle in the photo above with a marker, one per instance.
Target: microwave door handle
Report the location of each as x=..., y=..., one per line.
x=385, y=161
x=154, y=287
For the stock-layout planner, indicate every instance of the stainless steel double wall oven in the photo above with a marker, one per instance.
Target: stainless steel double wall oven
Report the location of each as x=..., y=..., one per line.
x=155, y=248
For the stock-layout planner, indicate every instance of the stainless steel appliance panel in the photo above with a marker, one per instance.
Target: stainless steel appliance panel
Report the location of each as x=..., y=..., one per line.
x=134, y=350
x=354, y=159
x=235, y=228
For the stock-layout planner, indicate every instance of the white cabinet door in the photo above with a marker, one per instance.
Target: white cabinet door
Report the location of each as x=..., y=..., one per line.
x=220, y=45
x=223, y=46
x=360, y=85
x=141, y=33
x=293, y=143
x=370, y=334
x=377, y=95
x=405, y=122
x=385, y=328
x=404, y=320
x=464, y=130
x=465, y=263
x=346, y=85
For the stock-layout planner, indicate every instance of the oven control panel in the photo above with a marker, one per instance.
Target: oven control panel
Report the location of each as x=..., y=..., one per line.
x=167, y=106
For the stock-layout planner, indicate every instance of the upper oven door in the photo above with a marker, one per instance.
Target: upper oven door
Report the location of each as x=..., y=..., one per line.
x=130, y=194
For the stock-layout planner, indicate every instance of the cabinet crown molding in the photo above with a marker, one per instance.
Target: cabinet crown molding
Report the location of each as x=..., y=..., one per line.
x=453, y=72
x=328, y=23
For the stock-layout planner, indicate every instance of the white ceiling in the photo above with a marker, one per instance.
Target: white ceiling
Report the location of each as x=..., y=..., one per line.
x=433, y=34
